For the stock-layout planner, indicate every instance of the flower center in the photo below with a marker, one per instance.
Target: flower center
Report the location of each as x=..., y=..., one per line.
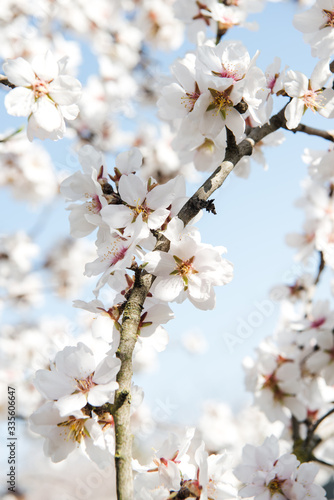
x=271, y=383
x=207, y=146
x=184, y=268
x=75, y=429
x=330, y=18
x=141, y=209
x=94, y=205
x=40, y=88
x=228, y=72
x=191, y=97
x=275, y=485
x=221, y=101
x=312, y=100
x=84, y=385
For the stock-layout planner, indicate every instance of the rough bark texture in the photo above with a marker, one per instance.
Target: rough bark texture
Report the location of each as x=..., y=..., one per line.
x=123, y=451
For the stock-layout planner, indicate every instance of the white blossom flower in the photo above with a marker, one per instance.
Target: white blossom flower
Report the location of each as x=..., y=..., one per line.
x=115, y=252
x=145, y=203
x=170, y=460
x=209, y=482
x=276, y=380
x=322, y=360
x=43, y=93
x=317, y=24
x=321, y=164
x=264, y=473
x=64, y=434
x=308, y=93
x=88, y=187
x=189, y=269
x=303, y=487
x=76, y=378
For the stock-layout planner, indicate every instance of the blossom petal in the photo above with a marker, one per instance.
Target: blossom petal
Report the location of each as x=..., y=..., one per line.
x=67, y=404
x=168, y=289
x=19, y=101
x=45, y=66
x=19, y=72
x=132, y=189
x=65, y=90
x=47, y=116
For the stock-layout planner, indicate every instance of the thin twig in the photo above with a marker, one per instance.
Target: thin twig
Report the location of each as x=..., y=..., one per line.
x=329, y=136
x=4, y=81
x=318, y=422
x=322, y=264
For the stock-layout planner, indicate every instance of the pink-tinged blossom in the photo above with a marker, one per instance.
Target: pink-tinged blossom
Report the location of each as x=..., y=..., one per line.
x=317, y=24
x=304, y=242
x=266, y=475
x=144, y=203
x=230, y=63
x=115, y=252
x=77, y=377
x=209, y=482
x=153, y=315
x=228, y=59
x=87, y=187
x=322, y=360
x=303, y=487
x=180, y=97
x=128, y=162
x=317, y=202
x=308, y=94
x=320, y=317
x=42, y=93
x=321, y=164
x=170, y=461
x=64, y=434
x=189, y=270
x=211, y=13
x=325, y=242
x=298, y=290
x=159, y=26
x=276, y=382
x=217, y=110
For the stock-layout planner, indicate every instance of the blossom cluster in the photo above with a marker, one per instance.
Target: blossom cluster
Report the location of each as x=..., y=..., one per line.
x=77, y=387
x=220, y=88
x=44, y=93
x=267, y=475
x=129, y=216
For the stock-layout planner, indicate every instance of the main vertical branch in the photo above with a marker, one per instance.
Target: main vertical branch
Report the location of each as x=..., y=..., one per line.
x=123, y=451
x=143, y=282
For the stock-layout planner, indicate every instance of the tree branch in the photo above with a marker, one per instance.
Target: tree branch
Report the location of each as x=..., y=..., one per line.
x=318, y=422
x=233, y=155
x=128, y=338
x=4, y=81
x=329, y=136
